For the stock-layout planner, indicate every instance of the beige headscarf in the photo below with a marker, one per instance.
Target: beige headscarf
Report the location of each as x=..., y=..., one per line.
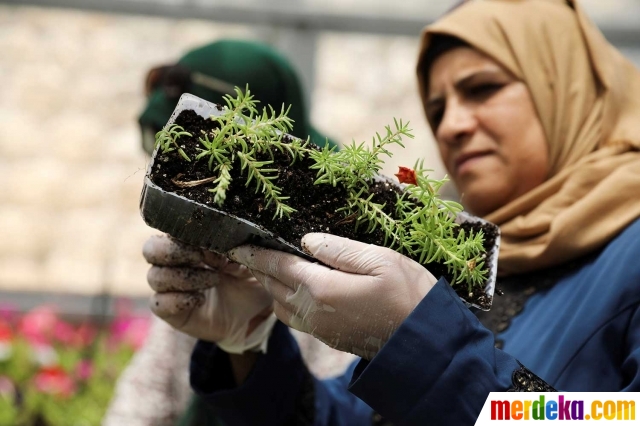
x=587, y=96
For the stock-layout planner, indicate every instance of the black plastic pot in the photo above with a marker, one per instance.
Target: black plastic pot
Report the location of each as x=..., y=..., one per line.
x=215, y=230
x=204, y=226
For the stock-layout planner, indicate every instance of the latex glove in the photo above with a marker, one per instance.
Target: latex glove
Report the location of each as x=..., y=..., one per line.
x=355, y=307
x=204, y=295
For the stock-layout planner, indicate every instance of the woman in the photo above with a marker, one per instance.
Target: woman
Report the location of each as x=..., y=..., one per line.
x=537, y=120
x=212, y=71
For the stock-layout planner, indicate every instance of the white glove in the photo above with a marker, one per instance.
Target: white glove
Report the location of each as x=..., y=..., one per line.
x=355, y=307
x=204, y=295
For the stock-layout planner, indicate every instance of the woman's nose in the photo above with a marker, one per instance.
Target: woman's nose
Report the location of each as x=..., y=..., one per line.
x=458, y=124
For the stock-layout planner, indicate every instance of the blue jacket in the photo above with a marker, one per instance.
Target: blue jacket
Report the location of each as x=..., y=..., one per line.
x=580, y=334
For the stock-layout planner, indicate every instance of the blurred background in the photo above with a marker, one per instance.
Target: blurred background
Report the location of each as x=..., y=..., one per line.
x=71, y=89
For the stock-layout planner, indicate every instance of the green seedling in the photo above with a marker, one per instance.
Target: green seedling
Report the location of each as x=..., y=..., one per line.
x=421, y=224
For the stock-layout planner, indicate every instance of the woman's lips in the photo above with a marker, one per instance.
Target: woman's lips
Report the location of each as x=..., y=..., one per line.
x=467, y=161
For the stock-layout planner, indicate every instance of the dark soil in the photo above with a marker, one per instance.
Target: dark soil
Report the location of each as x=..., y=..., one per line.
x=316, y=205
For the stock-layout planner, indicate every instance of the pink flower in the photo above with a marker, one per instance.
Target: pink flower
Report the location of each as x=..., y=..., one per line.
x=54, y=381
x=85, y=335
x=38, y=325
x=84, y=370
x=64, y=333
x=8, y=312
x=129, y=330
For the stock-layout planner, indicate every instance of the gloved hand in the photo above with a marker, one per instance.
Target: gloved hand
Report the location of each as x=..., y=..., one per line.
x=355, y=307
x=204, y=295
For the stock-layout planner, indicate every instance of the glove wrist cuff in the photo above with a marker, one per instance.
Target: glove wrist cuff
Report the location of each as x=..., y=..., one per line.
x=257, y=341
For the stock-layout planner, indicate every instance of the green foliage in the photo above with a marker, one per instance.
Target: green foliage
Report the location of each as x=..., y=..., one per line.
x=424, y=227
x=85, y=407
x=167, y=139
x=244, y=132
x=432, y=234
x=420, y=224
x=56, y=373
x=355, y=166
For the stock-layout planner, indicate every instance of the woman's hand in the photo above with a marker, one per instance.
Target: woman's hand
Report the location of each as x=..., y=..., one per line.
x=355, y=307
x=204, y=295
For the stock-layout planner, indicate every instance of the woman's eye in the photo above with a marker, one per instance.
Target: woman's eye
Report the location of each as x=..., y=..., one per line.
x=484, y=90
x=436, y=117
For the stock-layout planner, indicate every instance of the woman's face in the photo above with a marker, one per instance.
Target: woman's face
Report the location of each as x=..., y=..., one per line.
x=488, y=133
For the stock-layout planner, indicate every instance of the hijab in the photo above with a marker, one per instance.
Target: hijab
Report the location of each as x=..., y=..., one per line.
x=587, y=97
x=213, y=70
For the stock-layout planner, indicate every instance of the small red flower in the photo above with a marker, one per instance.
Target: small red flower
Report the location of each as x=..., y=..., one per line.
x=6, y=335
x=407, y=175
x=55, y=381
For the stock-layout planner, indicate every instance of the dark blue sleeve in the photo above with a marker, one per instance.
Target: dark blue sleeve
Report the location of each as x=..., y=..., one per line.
x=277, y=390
x=631, y=363
x=437, y=369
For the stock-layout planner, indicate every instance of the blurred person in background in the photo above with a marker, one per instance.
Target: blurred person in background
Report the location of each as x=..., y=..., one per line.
x=154, y=389
x=212, y=71
x=537, y=119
